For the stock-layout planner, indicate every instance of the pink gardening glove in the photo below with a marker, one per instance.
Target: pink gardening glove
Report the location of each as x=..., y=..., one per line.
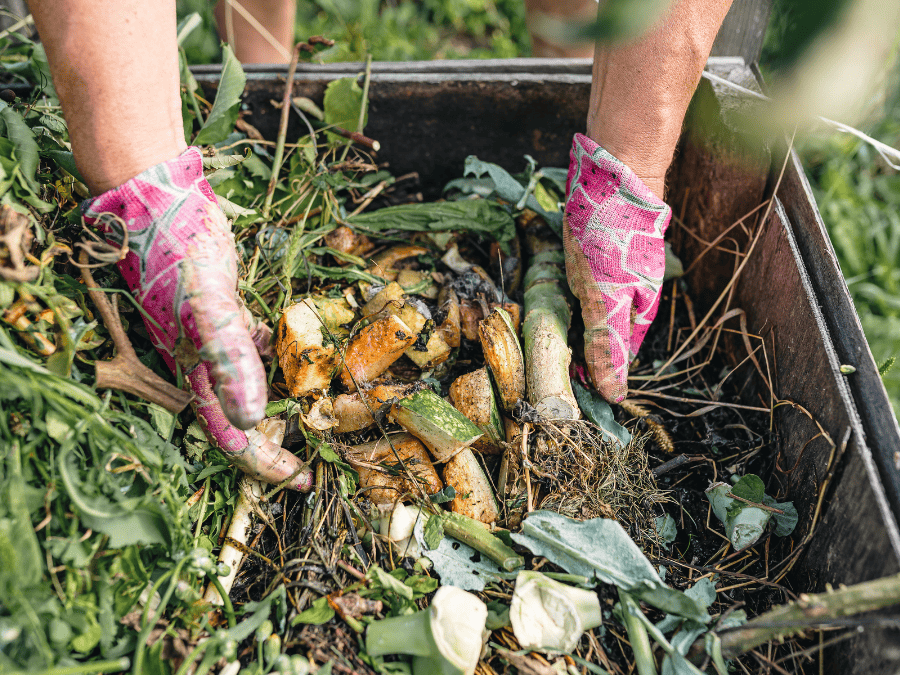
x=615, y=260
x=182, y=267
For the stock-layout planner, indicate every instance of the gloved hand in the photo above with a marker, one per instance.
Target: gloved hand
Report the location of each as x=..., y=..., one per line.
x=615, y=259
x=181, y=265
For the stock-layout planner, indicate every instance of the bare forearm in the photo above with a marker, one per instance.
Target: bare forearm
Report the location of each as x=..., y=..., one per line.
x=115, y=67
x=641, y=89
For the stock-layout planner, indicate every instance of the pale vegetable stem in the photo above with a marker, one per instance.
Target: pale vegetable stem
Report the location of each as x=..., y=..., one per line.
x=544, y=334
x=407, y=634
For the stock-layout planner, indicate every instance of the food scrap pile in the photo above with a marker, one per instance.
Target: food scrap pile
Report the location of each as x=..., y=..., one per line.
x=473, y=505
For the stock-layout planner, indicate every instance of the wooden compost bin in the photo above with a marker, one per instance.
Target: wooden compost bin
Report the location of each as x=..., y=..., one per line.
x=429, y=116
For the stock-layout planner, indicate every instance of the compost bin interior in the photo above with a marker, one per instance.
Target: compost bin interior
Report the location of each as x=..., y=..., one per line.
x=429, y=116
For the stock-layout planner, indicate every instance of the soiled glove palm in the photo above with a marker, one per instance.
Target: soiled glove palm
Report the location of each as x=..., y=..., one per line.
x=181, y=266
x=615, y=260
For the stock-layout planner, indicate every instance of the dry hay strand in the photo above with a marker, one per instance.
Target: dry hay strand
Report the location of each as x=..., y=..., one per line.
x=587, y=477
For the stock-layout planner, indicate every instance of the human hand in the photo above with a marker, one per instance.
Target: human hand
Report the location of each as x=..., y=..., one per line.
x=615, y=259
x=181, y=265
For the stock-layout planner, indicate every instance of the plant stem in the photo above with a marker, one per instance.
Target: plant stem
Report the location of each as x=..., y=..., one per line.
x=476, y=535
x=637, y=635
x=362, y=112
x=808, y=612
x=226, y=601
x=113, y=666
x=282, y=133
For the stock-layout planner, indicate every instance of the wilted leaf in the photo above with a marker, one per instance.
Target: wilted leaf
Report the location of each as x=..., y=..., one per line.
x=666, y=529
x=510, y=190
x=318, y=613
x=601, y=549
x=470, y=215
x=600, y=413
x=22, y=138
x=434, y=532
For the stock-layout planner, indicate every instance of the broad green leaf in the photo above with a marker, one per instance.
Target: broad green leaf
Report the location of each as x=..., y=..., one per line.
x=600, y=413
x=703, y=592
x=224, y=113
x=601, y=549
x=751, y=488
x=784, y=522
x=389, y=583
x=343, y=101
x=318, y=612
x=434, y=532
x=22, y=138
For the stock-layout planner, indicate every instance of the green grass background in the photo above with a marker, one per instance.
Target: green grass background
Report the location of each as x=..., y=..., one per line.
x=857, y=192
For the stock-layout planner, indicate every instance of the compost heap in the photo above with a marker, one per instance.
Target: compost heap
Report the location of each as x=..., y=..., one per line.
x=422, y=373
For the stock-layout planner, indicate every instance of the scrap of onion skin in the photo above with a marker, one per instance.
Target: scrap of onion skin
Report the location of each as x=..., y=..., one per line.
x=372, y=351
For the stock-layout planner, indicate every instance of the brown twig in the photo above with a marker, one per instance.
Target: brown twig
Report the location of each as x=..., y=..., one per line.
x=125, y=372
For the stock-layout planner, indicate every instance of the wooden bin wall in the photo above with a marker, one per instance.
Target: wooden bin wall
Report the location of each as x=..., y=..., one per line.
x=429, y=116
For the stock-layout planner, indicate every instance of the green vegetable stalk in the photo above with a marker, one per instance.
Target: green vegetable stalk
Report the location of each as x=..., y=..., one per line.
x=445, y=639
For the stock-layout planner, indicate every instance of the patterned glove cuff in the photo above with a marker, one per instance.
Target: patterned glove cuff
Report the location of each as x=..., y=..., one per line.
x=595, y=179
x=149, y=204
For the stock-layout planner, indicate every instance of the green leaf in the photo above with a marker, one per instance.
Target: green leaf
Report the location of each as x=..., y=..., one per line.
x=751, y=488
x=22, y=138
x=511, y=190
x=784, y=522
x=703, y=592
x=226, y=107
x=327, y=453
x=389, y=583
x=600, y=413
x=666, y=529
x=602, y=550
x=66, y=161
x=434, y=532
x=886, y=366
x=317, y=613
x=471, y=215
x=343, y=101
